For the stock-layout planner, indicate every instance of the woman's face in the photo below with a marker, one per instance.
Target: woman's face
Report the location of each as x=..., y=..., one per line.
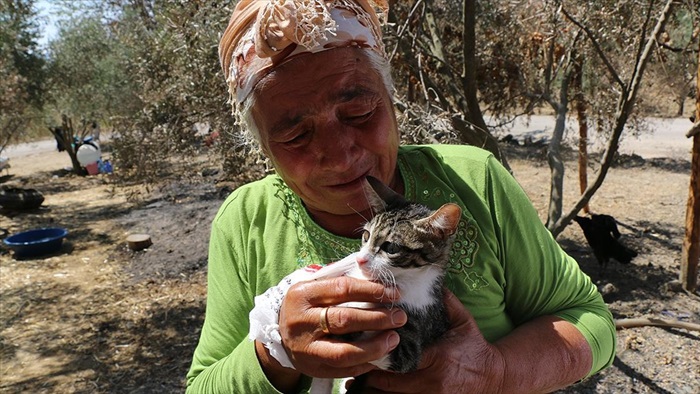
x=326, y=121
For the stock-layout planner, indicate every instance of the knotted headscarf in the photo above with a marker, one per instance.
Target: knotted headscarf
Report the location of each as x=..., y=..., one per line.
x=263, y=34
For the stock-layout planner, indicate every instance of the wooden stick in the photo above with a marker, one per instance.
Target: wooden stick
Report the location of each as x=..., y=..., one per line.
x=644, y=321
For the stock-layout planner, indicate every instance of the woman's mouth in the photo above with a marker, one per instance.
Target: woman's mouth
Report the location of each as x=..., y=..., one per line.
x=351, y=184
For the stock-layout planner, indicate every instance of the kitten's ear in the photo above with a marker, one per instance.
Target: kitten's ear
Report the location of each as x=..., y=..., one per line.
x=445, y=220
x=380, y=196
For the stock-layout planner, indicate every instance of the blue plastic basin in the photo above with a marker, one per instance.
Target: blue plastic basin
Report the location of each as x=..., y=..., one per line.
x=36, y=242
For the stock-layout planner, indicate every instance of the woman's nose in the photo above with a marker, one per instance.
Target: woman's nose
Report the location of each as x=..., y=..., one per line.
x=336, y=145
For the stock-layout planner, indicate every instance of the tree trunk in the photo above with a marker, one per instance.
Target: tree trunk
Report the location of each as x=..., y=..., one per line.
x=469, y=84
x=625, y=106
x=690, y=257
x=482, y=138
x=681, y=105
x=67, y=135
x=580, y=102
x=556, y=164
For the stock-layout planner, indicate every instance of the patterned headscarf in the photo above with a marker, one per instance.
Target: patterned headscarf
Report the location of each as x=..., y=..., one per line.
x=263, y=34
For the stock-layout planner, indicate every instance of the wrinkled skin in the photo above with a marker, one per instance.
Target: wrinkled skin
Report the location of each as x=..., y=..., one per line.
x=326, y=121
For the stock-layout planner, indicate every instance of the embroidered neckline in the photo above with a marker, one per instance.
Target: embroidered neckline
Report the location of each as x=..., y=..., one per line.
x=316, y=244
x=319, y=246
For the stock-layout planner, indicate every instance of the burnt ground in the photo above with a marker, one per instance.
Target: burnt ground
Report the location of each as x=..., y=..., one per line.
x=96, y=317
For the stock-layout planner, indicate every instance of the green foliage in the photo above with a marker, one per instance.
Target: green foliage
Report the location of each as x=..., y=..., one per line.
x=150, y=70
x=21, y=69
x=88, y=79
x=173, y=60
x=675, y=65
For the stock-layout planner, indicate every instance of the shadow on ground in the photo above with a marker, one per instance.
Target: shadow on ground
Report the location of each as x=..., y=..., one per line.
x=126, y=355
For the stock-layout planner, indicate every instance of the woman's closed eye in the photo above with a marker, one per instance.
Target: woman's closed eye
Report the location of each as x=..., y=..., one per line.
x=294, y=137
x=358, y=111
x=297, y=139
x=358, y=118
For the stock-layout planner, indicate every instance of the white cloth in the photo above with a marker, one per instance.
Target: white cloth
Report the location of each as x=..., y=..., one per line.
x=264, y=318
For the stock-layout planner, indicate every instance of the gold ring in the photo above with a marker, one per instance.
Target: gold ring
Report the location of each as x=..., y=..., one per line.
x=323, y=320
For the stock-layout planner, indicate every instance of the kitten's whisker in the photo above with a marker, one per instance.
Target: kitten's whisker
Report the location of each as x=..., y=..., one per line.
x=387, y=278
x=369, y=204
x=358, y=212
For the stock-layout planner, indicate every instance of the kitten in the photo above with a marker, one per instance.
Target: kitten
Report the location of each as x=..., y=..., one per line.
x=405, y=245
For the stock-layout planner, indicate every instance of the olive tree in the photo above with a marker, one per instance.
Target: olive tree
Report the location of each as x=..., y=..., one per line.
x=523, y=56
x=21, y=69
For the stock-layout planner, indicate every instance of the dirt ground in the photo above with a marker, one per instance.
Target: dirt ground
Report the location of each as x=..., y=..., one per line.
x=98, y=318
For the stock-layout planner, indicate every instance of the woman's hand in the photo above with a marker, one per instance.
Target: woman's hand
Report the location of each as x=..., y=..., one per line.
x=318, y=354
x=461, y=362
x=543, y=355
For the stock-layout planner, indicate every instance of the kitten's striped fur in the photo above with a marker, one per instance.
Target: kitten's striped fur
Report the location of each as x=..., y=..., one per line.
x=406, y=245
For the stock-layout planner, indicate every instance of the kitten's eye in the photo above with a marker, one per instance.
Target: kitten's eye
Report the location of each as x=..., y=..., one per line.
x=391, y=247
x=365, y=236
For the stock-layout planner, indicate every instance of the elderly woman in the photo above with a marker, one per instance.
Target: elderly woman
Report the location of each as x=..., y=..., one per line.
x=310, y=81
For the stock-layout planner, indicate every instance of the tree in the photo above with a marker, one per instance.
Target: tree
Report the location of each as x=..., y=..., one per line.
x=435, y=57
x=604, y=47
x=87, y=81
x=88, y=77
x=173, y=60
x=627, y=96
x=150, y=71
x=690, y=254
x=673, y=65
x=21, y=73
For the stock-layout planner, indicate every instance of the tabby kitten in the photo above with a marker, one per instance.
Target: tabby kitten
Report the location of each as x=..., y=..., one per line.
x=407, y=245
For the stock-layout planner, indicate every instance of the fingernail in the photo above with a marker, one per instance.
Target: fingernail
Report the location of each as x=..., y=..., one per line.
x=398, y=317
x=392, y=340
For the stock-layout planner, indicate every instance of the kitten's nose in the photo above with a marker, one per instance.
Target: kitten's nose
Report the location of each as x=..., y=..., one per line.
x=362, y=259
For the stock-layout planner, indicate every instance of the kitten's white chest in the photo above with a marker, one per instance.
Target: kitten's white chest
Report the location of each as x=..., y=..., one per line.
x=415, y=284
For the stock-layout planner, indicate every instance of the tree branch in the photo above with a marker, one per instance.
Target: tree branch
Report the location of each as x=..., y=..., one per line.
x=597, y=48
x=625, y=106
x=695, y=130
x=677, y=49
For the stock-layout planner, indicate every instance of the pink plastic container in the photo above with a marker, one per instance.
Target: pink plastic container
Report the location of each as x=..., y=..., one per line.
x=92, y=169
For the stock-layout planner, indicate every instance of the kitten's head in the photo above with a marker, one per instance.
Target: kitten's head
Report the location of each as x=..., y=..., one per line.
x=404, y=237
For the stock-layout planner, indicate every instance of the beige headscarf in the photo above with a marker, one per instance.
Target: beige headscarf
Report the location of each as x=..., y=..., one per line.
x=265, y=33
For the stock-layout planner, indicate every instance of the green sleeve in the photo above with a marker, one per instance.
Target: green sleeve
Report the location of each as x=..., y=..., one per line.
x=549, y=282
x=225, y=360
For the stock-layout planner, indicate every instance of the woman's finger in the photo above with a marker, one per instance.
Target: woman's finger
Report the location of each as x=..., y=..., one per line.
x=345, y=320
x=337, y=353
x=336, y=291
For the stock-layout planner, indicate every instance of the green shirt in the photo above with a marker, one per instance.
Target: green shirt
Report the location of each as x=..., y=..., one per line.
x=505, y=266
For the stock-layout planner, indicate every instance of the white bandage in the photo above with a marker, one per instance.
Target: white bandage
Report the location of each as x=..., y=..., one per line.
x=264, y=318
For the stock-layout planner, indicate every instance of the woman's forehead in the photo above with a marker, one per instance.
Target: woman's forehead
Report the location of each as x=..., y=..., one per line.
x=339, y=74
